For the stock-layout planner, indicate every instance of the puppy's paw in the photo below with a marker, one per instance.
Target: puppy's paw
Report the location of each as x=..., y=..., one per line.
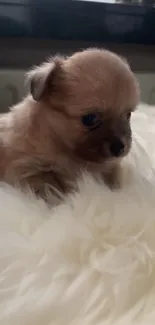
x=114, y=177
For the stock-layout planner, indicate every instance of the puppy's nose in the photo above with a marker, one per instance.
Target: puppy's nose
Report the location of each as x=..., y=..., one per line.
x=117, y=147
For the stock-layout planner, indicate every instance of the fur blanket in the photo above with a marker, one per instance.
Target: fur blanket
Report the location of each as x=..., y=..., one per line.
x=89, y=261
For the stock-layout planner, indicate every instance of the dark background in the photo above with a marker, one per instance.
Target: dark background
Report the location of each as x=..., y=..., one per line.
x=31, y=30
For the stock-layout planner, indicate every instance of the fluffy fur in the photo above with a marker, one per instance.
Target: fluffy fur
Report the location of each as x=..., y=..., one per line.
x=90, y=260
x=43, y=139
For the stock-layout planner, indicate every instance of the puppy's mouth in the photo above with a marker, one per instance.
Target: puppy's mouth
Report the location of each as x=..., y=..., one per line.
x=103, y=156
x=103, y=152
x=114, y=150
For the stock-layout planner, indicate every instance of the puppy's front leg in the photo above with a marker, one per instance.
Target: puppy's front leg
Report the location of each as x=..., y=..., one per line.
x=44, y=183
x=113, y=177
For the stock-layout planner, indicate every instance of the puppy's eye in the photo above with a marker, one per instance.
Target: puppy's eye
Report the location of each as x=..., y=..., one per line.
x=129, y=115
x=91, y=120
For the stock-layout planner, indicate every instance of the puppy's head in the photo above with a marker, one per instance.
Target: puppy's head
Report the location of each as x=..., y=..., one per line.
x=89, y=98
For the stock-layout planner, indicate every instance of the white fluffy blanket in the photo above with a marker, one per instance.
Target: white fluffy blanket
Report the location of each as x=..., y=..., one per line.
x=90, y=261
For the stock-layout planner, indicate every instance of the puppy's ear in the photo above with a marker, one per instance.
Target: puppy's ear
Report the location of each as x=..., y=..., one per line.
x=125, y=61
x=40, y=78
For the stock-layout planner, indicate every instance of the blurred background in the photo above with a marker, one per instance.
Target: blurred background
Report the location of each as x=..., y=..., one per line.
x=33, y=30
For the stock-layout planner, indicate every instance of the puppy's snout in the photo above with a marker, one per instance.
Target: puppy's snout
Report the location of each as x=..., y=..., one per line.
x=117, y=147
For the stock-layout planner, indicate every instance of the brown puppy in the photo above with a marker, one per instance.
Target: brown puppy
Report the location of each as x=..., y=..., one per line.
x=76, y=118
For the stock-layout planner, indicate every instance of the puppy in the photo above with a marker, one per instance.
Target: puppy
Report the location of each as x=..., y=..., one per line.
x=76, y=117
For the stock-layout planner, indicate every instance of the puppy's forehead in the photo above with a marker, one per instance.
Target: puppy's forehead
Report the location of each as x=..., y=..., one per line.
x=100, y=80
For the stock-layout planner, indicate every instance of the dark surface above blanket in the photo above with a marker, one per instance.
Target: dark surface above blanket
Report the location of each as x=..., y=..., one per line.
x=78, y=21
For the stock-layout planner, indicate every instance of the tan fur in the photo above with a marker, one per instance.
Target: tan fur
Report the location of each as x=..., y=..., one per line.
x=42, y=139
